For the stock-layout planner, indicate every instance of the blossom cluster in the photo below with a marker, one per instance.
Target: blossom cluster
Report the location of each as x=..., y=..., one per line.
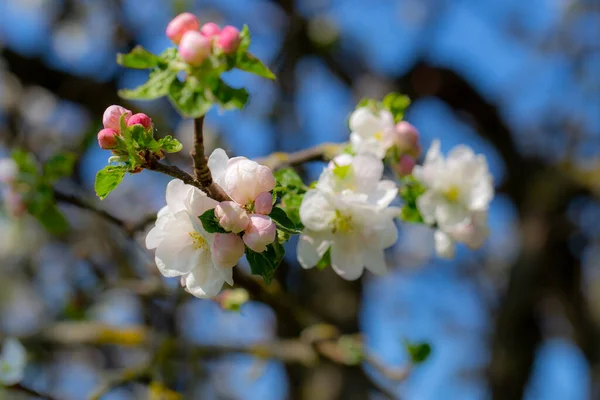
x=349, y=214
x=108, y=138
x=196, y=43
x=204, y=260
x=12, y=199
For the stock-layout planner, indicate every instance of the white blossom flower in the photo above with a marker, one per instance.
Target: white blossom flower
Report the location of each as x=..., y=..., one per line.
x=13, y=359
x=183, y=247
x=8, y=170
x=458, y=192
x=358, y=176
x=372, y=133
x=357, y=233
x=348, y=212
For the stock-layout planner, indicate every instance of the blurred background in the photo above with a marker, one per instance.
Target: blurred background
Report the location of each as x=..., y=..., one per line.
x=517, y=80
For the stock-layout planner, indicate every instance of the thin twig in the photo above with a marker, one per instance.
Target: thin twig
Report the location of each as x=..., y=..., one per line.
x=30, y=392
x=201, y=170
x=321, y=152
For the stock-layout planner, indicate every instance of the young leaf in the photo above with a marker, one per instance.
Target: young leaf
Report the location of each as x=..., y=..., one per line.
x=244, y=40
x=156, y=86
x=410, y=191
x=189, y=99
x=265, y=264
x=418, y=351
x=290, y=203
x=138, y=58
x=249, y=63
x=210, y=222
x=53, y=220
x=283, y=222
x=325, y=261
x=169, y=144
x=25, y=161
x=288, y=178
x=59, y=166
x=108, y=179
x=229, y=97
x=397, y=104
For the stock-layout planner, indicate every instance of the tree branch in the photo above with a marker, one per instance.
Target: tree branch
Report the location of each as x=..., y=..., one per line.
x=321, y=152
x=201, y=170
x=29, y=392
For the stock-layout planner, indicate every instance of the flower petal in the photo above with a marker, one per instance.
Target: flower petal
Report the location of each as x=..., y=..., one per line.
x=346, y=260
x=177, y=254
x=177, y=195
x=444, y=245
x=311, y=248
x=375, y=262
x=205, y=281
x=316, y=211
x=217, y=162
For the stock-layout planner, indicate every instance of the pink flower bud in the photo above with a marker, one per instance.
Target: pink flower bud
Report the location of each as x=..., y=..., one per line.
x=245, y=179
x=112, y=117
x=194, y=48
x=407, y=136
x=263, y=203
x=229, y=39
x=405, y=165
x=140, y=118
x=227, y=249
x=107, y=139
x=180, y=25
x=261, y=231
x=210, y=30
x=232, y=217
x=13, y=203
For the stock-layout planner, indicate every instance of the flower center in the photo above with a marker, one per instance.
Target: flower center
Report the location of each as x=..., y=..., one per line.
x=378, y=136
x=452, y=193
x=342, y=223
x=199, y=241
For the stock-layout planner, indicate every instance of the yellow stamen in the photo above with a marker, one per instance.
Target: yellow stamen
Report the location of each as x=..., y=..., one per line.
x=378, y=136
x=199, y=241
x=342, y=223
x=453, y=193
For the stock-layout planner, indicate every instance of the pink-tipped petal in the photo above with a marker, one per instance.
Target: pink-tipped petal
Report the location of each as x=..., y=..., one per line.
x=261, y=232
x=107, y=138
x=194, y=48
x=180, y=25
x=263, y=203
x=229, y=39
x=112, y=117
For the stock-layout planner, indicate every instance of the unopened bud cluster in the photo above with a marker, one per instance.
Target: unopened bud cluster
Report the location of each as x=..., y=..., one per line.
x=196, y=43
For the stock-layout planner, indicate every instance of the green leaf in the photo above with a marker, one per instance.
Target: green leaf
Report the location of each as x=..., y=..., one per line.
x=230, y=98
x=39, y=198
x=53, y=221
x=169, y=144
x=288, y=178
x=140, y=137
x=189, y=99
x=283, y=222
x=369, y=103
x=156, y=86
x=265, y=264
x=25, y=161
x=325, y=261
x=59, y=166
x=418, y=351
x=244, y=40
x=397, y=104
x=249, y=63
x=290, y=203
x=210, y=222
x=410, y=191
x=108, y=179
x=138, y=58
